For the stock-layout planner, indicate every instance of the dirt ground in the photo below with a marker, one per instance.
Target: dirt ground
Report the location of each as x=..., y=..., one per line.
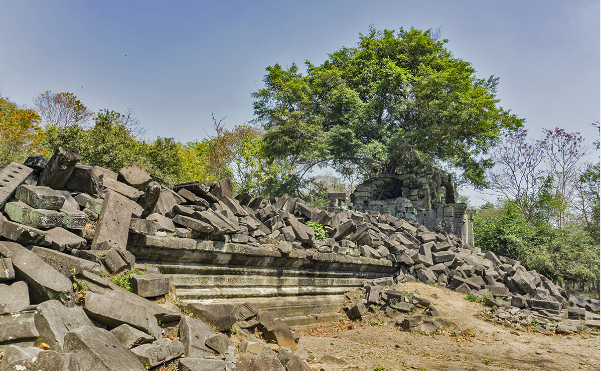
x=470, y=343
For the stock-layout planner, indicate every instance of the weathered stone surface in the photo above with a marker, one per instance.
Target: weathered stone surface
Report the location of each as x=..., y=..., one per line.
x=67, y=264
x=291, y=361
x=374, y=294
x=45, y=282
x=356, y=311
x=24, y=234
x=115, y=312
x=576, y=313
x=38, y=218
x=234, y=206
x=13, y=298
x=121, y=188
x=98, y=349
x=130, y=337
x=88, y=179
x=501, y=291
x=427, y=276
x=16, y=358
x=429, y=326
x=59, y=168
x=135, y=176
x=11, y=177
x=544, y=304
x=7, y=272
x=193, y=333
x=565, y=329
x=116, y=260
x=40, y=197
x=89, y=202
x=163, y=223
x=222, y=316
x=74, y=219
x=36, y=162
x=279, y=332
x=251, y=347
x=219, y=343
x=53, y=320
x=143, y=226
x=204, y=364
x=20, y=327
x=194, y=224
x=165, y=201
x=112, y=229
x=149, y=285
x=63, y=240
x=266, y=361
x=219, y=224
x=160, y=351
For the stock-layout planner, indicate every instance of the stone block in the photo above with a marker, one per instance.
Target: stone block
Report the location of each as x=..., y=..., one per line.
x=356, y=311
x=63, y=240
x=98, y=349
x=67, y=264
x=162, y=350
x=24, y=234
x=266, y=361
x=193, y=333
x=59, y=168
x=116, y=260
x=17, y=328
x=576, y=313
x=11, y=177
x=38, y=218
x=500, y=291
x=134, y=175
x=442, y=256
x=45, y=282
x=112, y=229
x=74, y=219
x=38, y=163
x=121, y=188
x=544, y=305
x=130, y=337
x=164, y=224
x=115, y=312
x=53, y=320
x=291, y=361
x=39, y=360
x=518, y=301
x=13, y=298
x=222, y=316
x=40, y=197
x=252, y=347
x=429, y=326
x=427, y=276
x=219, y=343
x=143, y=226
x=463, y=288
x=7, y=272
x=89, y=202
x=426, y=237
x=234, y=206
x=344, y=230
x=195, y=224
x=88, y=179
x=204, y=364
x=220, y=224
x=150, y=285
x=374, y=294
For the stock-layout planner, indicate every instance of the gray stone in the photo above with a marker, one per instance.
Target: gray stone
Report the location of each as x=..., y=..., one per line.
x=220, y=224
x=426, y=237
x=40, y=197
x=74, y=219
x=163, y=223
x=356, y=311
x=234, y=206
x=219, y=343
x=162, y=350
x=116, y=260
x=291, y=361
x=576, y=313
x=427, y=276
x=63, y=240
x=518, y=301
x=24, y=234
x=16, y=358
x=45, y=282
x=7, y=272
x=89, y=202
x=38, y=218
x=501, y=291
x=194, y=224
x=279, y=332
x=98, y=349
x=130, y=337
x=121, y=188
x=429, y=326
x=36, y=162
x=374, y=294
x=115, y=312
x=442, y=256
x=565, y=329
x=66, y=264
x=112, y=229
x=53, y=320
x=143, y=226
x=12, y=177
x=59, y=168
x=149, y=285
x=222, y=316
x=88, y=179
x=266, y=361
x=165, y=201
x=203, y=364
x=18, y=327
x=13, y=298
x=543, y=305
x=135, y=176
x=193, y=333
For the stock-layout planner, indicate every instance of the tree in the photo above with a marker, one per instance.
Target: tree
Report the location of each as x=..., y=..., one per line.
x=61, y=109
x=393, y=101
x=20, y=133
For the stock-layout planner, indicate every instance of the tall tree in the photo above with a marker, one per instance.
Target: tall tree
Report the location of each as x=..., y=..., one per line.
x=20, y=133
x=394, y=100
x=61, y=109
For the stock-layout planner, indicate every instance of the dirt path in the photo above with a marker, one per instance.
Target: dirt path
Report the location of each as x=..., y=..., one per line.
x=470, y=343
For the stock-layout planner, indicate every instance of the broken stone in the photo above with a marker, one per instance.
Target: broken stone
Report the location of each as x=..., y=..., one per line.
x=162, y=350
x=429, y=326
x=130, y=337
x=222, y=316
x=121, y=188
x=117, y=260
x=150, y=285
x=38, y=218
x=266, y=361
x=88, y=179
x=291, y=361
x=17, y=328
x=45, y=282
x=135, y=176
x=143, y=226
x=113, y=224
x=219, y=343
x=63, y=240
x=59, y=168
x=38, y=359
x=163, y=223
x=357, y=311
x=194, y=224
x=13, y=298
x=98, y=349
x=40, y=197
x=67, y=265
x=7, y=272
x=12, y=177
x=24, y=234
x=53, y=320
x=193, y=333
x=204, y=364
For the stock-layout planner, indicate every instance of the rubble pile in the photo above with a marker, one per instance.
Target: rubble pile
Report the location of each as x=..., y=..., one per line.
x=66, y=226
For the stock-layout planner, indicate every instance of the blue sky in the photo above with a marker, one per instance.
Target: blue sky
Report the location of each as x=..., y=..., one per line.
x=175, y=62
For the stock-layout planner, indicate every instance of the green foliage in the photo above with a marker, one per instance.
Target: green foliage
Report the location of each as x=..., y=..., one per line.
x=386, y=104
x=380, y=367
x=320, y=233
x=122, y=280
x=475, y=298
x=20, y=133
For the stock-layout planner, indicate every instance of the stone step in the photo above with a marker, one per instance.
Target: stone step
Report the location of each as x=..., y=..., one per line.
x=252, y=292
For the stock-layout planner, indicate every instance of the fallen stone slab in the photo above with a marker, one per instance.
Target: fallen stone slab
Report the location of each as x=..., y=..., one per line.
x=53, y=320
x=117, y=260
x=135, y=176
x=149, y=285
x=112, y=229
x=17, y=358
x=356, y=311
x=501, y=291
x=24, y=234
x=98, y=349
x=266, y=361
x=291, y=361
x=565, y=329
x=74, y=219
x=36, y=162
x=427, y=276
x=67, y=265
x=89, y=202
x=17, y=328
x=38, y=218
x=130, y=337
x=63, y=240
x=194, y=224
x=279, y=332
x=163, y=223
x=88, y=179
x=13, y=298
x=544, y=305
x=222, y=316
x=143, y=226
x=45, y=282
x=220, y=343
x=59, y=168
x=7, y=272
x=193, y=333
x=576, y=313
x=39, y=197
x=114, y=312
x=11, y=177
x=121, y=188
x=162, y=350
x=204, y=364
x=429, y=326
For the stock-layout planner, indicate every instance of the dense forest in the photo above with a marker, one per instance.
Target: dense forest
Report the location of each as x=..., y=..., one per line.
x=395, y=100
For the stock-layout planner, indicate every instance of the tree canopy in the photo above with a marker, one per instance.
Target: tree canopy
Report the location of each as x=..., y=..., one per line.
x=392, y=101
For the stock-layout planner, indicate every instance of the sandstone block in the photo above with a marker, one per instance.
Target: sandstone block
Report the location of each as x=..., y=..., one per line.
x=13, y=298
x=38, y=218
x=121, y=188
x=88, y=179
x=160, y=351
x=7, y=272
x=193, y=333
x=135, y=176
x=59, y=168
x=129, y=337
x=24, y=234
x=204, y=364
x=150, y=285
x=16, y=358
x=12, y=177
x=53, y=320
x=113, y=224
x=266, y=361
x=40, y=197
x=17, y=328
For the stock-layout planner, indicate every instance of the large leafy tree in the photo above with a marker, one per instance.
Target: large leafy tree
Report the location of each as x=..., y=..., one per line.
x=395, y=100
x=20, y=133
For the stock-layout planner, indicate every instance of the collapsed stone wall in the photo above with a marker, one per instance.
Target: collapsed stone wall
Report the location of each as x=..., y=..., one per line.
x=426, y=195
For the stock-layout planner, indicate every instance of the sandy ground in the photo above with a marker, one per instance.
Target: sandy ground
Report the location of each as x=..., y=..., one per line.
x=470, y=343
